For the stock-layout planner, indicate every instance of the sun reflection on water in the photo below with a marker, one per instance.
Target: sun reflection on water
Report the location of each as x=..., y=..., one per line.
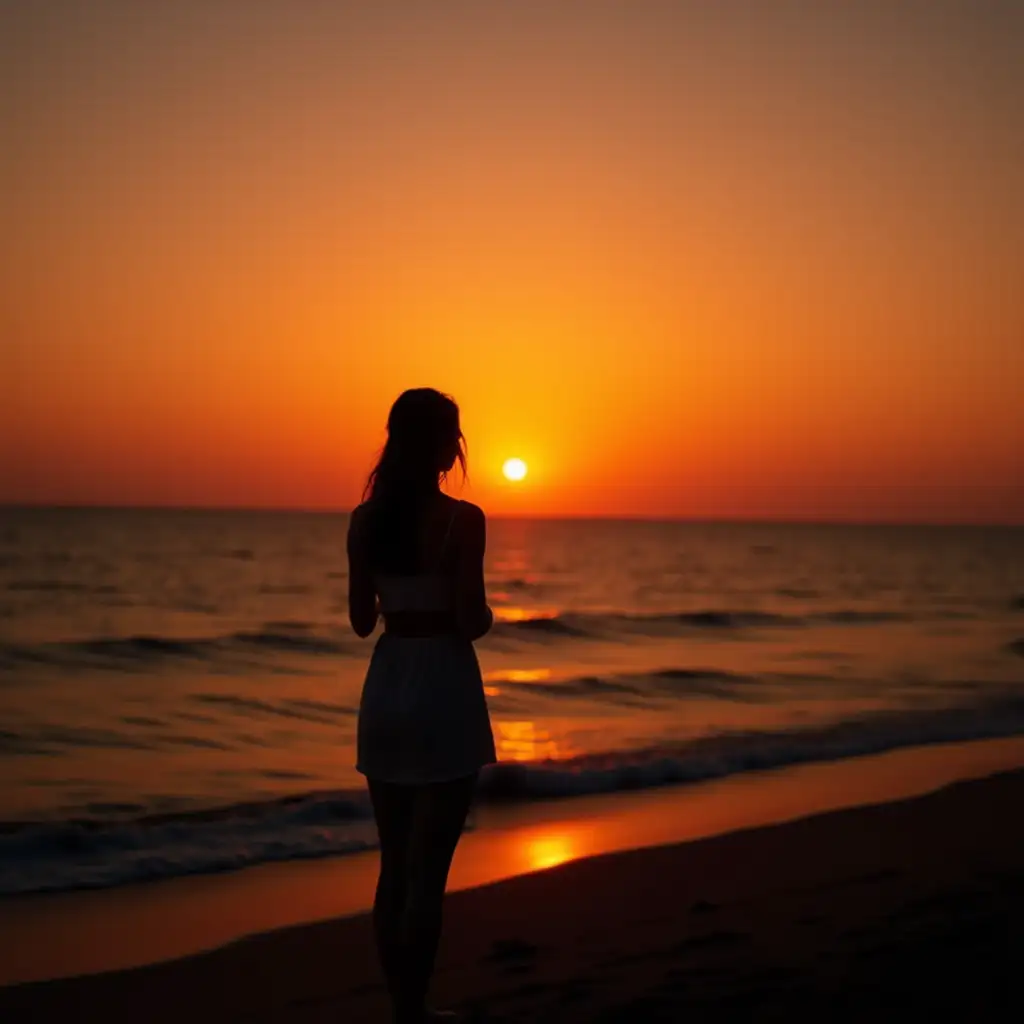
x=513, y=675
x=520, y=613
x=524, y=741
x=518, y=675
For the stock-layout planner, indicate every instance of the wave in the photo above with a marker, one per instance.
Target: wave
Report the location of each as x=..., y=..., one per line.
x=318, y=711
x=518, y=583
x=732, y=753
x=545, y=625
x=144, y=647
x=277, y=640
x=91, y=853
x=713, y=620
x=144, y=650
x=854, y=617
x=57, y=587
x=300, y=637
x=149, y=733
x=633, y=688
x=113, y=847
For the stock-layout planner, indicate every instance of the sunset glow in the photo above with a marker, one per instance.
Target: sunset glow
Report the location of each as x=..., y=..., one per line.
x=701, y=260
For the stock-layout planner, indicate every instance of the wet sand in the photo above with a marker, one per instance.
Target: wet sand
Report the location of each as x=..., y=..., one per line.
x=885, y=912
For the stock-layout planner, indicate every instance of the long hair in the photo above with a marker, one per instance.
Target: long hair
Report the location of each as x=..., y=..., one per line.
x=424, y=443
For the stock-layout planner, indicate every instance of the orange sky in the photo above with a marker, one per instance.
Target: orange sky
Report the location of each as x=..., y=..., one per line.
x=732, y=259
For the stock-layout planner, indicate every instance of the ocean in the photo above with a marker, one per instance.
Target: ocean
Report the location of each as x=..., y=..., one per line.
x=178, y=689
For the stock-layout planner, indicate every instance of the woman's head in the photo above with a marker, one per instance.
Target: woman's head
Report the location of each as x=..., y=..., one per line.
x=424, y=443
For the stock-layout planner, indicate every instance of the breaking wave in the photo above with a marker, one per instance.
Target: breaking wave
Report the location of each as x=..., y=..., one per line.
x=114, y=847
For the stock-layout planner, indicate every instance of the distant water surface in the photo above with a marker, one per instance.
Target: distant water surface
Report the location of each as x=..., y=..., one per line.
x=178, y=689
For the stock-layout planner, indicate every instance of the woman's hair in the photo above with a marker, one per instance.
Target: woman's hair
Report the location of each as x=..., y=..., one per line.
x=424, y=442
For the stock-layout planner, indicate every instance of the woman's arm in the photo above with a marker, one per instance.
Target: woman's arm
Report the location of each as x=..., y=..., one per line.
x=473, y=617
x=362, y=598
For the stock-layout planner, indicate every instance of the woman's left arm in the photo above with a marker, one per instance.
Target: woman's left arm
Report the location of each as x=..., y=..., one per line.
x=362, y=597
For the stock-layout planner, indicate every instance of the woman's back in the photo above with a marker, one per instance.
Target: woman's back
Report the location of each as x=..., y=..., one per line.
x=418, y=559
x=428, y=585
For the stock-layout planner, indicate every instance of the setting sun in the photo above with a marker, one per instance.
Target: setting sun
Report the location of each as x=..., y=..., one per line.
x=514, y=469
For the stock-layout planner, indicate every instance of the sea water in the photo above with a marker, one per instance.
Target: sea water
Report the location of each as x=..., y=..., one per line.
x=178, y=689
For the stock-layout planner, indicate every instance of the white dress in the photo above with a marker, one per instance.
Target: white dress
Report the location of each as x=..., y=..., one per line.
x=423, y=714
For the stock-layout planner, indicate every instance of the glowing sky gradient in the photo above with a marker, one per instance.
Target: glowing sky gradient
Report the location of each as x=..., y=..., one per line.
x=732, y=259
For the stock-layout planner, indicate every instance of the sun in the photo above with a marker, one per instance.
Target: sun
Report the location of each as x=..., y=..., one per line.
x=514, y=469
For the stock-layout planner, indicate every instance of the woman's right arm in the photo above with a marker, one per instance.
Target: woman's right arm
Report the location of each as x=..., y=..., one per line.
x=362, y=597
x=473, y=618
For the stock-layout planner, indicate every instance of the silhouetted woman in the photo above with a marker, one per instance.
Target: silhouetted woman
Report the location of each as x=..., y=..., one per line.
x=416, y=558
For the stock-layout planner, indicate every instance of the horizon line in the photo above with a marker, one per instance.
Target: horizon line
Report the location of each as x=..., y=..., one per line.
x=547, y=517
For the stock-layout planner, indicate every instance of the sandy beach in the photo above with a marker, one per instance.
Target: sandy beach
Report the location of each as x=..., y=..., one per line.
x=884, y=912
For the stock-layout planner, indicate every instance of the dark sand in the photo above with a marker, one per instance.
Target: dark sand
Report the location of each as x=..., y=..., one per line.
x=897, y=912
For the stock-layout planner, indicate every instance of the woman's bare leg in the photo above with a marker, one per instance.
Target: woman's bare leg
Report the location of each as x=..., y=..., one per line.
x=393, y=809
x=438, y=820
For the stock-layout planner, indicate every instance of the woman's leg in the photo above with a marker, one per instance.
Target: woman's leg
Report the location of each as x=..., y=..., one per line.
x=438, y=819
x=393, y=809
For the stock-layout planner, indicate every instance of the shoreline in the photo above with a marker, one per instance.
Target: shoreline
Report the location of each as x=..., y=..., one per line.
x=881, y=912
x=51, y=936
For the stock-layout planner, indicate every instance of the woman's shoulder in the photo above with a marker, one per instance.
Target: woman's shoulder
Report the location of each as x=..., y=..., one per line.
x=467, y=512
x=357, y=519
x=469, y=523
